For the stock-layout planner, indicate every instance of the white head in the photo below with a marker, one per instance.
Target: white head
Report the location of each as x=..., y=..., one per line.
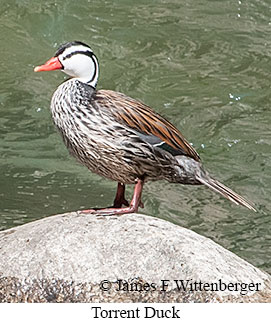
x=75, y=59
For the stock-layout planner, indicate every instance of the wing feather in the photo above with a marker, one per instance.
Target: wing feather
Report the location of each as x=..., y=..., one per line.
x=142, y=118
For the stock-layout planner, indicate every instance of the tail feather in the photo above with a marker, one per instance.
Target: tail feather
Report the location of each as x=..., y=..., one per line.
x=226, y=192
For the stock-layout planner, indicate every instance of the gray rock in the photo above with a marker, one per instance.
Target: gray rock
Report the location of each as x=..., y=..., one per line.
x=138, y=258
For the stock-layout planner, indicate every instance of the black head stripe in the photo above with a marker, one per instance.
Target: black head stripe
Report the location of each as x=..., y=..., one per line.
x=69, y=44
x=87, y=53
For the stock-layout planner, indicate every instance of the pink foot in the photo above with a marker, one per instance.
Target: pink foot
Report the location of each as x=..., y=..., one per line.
x=119, y=200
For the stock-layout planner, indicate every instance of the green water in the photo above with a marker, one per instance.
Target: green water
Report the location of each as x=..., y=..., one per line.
x=205, y=65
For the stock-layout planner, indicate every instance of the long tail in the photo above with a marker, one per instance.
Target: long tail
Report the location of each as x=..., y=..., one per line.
x=226, y=192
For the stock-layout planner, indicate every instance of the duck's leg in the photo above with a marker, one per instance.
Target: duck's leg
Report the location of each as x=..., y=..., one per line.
x=133, y=208
x=120, y=197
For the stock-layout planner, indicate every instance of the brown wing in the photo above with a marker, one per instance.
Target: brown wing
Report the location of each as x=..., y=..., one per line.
x=139, y=116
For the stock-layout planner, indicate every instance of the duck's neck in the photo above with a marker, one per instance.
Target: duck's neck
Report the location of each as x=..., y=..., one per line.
x=87, y=81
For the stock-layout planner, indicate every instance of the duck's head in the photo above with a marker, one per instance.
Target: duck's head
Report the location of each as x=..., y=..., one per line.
x=75, y=59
